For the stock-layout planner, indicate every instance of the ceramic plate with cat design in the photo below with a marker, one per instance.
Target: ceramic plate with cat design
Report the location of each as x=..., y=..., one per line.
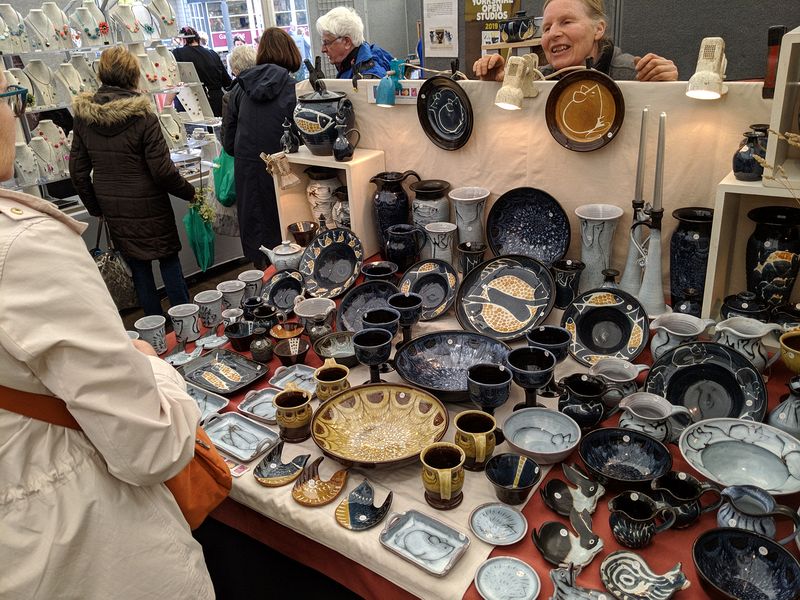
x=445, y=112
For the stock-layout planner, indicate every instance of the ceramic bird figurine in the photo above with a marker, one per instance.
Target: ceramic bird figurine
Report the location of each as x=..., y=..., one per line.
x=357, y=512
x=564, y=587
x=626, y=575
x=561, y=498
x=310, y=490
x=562, y=548
x=273, y=472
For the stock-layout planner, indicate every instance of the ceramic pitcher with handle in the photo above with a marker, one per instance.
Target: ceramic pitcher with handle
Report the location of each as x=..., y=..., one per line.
x=673, y=329
x=746, y=335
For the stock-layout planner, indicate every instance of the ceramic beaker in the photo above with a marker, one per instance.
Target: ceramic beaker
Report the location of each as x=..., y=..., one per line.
x=470, y=255
x=185, y=322
x=253, y=282
x=232, y=293
x=469, y=204
x=567, y=275
x=443, y=475
x=598, y=223
x=151, y=330
x=441, y=238
x=293, y=413
x=475, y=436
x=331, y=379
x=430, y=204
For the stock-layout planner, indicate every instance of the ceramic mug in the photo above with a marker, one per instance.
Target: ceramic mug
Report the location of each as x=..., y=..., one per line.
x=443, y=475
x=185, y=322
x=470, y=255
x=151, y=330
x=475, y=436
x=633, y=518
x=253, y=280
x=331, y=379
x=442, y=239
x=232, y=293
x=683, y=493
x=293, y=413
x=210, y=303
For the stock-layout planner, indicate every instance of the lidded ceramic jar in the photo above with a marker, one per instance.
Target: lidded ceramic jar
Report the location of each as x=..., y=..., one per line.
x=745, y=304
x=315, y=116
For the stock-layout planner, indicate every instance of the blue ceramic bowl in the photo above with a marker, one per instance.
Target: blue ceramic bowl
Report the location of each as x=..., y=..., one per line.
x=624, y=458
x=550, y=337
x=382, y=318
x=741, y=565
x=513, y=476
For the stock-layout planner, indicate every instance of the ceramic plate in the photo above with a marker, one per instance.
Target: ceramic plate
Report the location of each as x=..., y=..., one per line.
x=422, y=540
x=438, y=362
x=331, y=262
x=358, y=513
x=272, y=472
x=584, y=110
x=606, y=323
x=282, y=288
x=504, y=297
x=711, y=380
x=378, y=425
x=498, y=524
x=528, y=222
x=363, y=297
x=208, y=402
x=445, y=112
x=223, y=371
x=258, y=405
x=436, y=281
x=311, y=490
x=238, y=436
x=505, y=577
x=735, y=452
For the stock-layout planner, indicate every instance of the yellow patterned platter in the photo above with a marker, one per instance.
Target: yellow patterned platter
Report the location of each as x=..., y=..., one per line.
x=436, y=281
x=604, y=323
x=310, y=490
x=505, y=297
x=378, y=425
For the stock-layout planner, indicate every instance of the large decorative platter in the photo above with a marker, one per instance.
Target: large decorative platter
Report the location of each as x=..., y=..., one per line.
x=208, y=402
x=506, y=296
x=438, y=362
x=331, y=262
x=436, y=281
x=378, y=425
x=366, y=296
x=445, y=112
x=606, y=323
x=282, y=288
x=223, y=371
x=735, y=452
x=422, y=540
x=584, y=110
x=239, y=437
x=528, y=222
x=711, y=380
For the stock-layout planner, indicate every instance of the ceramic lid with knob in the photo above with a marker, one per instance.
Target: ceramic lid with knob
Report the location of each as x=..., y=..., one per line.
x=745, y=304
x=286, y=247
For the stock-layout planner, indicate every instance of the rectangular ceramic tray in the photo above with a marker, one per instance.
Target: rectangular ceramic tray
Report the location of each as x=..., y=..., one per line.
x=239, y=437
x=258, y=405
x=407, y=534
x=219, y=370
x=208, y=402
x=300, y=375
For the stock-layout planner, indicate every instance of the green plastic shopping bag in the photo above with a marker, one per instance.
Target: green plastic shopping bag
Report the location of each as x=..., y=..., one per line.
x=224, y=184
x=201, y=236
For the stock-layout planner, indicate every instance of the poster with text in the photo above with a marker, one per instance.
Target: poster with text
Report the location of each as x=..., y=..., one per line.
x=482, y=24
x=441, y=27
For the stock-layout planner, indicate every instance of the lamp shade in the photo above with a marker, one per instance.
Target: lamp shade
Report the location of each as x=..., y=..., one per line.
x=707, y=81
x=384, y=95
x=509, y=97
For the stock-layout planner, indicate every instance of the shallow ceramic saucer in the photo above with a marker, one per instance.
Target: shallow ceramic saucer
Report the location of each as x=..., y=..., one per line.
x=505, y=297
x=505, y=577
x=310, y=490
x=357, y=512
x=436, y=281
x=366, y=296
x=498, y=524
x=547, y=436
x=272, y=472
x=626, y=575
x=208, y=402
x=331, y=263
x=529, y=222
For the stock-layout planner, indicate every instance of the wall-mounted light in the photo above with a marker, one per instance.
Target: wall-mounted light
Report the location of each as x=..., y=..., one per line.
x=707, y=81
x=518, y=81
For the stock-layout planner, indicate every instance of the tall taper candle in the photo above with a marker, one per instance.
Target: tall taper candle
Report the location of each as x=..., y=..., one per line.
x=637, y=196
x=662, y=134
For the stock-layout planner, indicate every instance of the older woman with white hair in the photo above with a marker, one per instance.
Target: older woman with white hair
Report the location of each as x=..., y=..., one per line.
x=342, y=32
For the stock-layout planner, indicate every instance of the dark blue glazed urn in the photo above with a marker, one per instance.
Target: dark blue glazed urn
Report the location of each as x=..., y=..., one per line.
x=772, y=255
x=688, y=251
x=745, y=166
x=316, y=115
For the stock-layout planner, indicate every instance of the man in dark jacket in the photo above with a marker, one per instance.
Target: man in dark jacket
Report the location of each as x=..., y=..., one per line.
x=342, y=32
x=208, y=65
x=257, y=107
x=120, y=165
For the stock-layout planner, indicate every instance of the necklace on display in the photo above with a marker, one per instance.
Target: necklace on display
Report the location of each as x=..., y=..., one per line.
x=48, y=162
x=175, y=135
x=135, y=28
x=62, y=32
x=157, y=66
x=18, y=29
x=26, y=173
x=67, y=79
x=35, y=78
x=42, y=37
x=85, y=28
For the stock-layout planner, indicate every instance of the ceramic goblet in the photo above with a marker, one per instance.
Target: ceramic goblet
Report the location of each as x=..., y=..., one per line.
x=532, y=369
x=553, y=338
x=410, y=308
x=372, y=348
x=488, y=386
x=383, y=318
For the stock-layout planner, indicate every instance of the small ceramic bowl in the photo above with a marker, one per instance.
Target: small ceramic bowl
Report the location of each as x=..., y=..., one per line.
x=303, y=231
x=742, y=565
x=552, y=338
x=513, y=476
x=285, y=331
x=624, y=458
x=379, y=271
x=547, y=436
x=292, y=351
x=790, y=350
x=240, y=334
x=339, y=346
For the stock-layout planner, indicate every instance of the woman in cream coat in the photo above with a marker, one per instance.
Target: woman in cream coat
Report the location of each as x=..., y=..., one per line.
x=84, y=514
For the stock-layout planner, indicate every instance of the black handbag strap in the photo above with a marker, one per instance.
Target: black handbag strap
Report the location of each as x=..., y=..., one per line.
x=102, y=225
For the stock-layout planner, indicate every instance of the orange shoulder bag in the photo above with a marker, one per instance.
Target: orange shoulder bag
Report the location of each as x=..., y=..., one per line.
x=198, y=489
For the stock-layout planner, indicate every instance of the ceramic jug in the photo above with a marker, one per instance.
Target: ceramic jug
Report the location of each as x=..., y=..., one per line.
x=284, y=256
x=342, y=148
x=673, y=329
x=309, y=310
x=751, y=508
x=404, y=244
x=633, y=518
x=786, y=415
x=745, y=335
x=620, y=377
x=652, y=414
x=390, y=202
x=582, y=399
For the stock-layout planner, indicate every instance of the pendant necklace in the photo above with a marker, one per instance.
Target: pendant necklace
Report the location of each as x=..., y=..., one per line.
x=26, y=172
x=135, y=28
x=95, y=36
x=51, y=157
x=4, y=35
x=19, y=28
x=42, y=37
x=35, y=78
x=176, y=135
x=45, y=88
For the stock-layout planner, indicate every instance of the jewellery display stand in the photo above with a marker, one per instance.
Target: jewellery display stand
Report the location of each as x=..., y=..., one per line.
x=148, y=23
x=86, y=24
x=88, y=77
x=22, y=80
x=5, y=38
x=42, y=79
x=163, y=13
x=26, y=171
x=97, y=14
x=174, y=132
x=194, y=100
x=60, y=25
x=18, y=33
x=69, y=77
x=127, y=25
x=55, y=136
x=41, y=31
x=170, y=64
x=159, y=68
x=149, y=79
x=136, y=48
x=187, y=73
x=45, y=158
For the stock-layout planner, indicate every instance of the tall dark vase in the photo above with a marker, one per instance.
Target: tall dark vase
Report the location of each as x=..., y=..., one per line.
x=390, y=202
x=772, y=256
x=745, y=166
x=688, y=251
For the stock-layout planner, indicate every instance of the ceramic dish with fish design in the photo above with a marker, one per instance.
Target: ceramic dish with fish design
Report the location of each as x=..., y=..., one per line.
x=362, y=298
x=311, y=490
x=436, y=281
x=208, y=402
x=223, y=371
x=238, y=436
x=331, y=263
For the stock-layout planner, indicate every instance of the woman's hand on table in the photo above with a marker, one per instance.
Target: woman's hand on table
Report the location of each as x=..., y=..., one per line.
x=652, y=67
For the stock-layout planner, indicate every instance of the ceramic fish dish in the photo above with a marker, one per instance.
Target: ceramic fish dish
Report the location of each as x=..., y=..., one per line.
x=272, y=472
x=626, y=575
x=357, y=512
x=310, y=490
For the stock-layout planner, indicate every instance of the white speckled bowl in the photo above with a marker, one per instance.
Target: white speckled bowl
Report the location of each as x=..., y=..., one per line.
x=547, y=436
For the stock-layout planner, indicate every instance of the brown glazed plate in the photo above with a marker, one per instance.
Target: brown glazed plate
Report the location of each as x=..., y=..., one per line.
x=584, y=110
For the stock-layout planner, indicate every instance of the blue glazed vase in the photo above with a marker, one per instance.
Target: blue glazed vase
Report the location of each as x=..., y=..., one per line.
x=688, y=251
x=745, y=166
x=772, y=256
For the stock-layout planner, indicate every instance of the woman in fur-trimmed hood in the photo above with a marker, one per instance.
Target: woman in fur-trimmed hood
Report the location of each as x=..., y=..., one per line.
x=121, y=169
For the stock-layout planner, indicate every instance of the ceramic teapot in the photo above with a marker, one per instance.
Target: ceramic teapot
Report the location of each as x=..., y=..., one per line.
x=284, y=256
x=745, y=335
x=673, y=329
x=652, y=414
